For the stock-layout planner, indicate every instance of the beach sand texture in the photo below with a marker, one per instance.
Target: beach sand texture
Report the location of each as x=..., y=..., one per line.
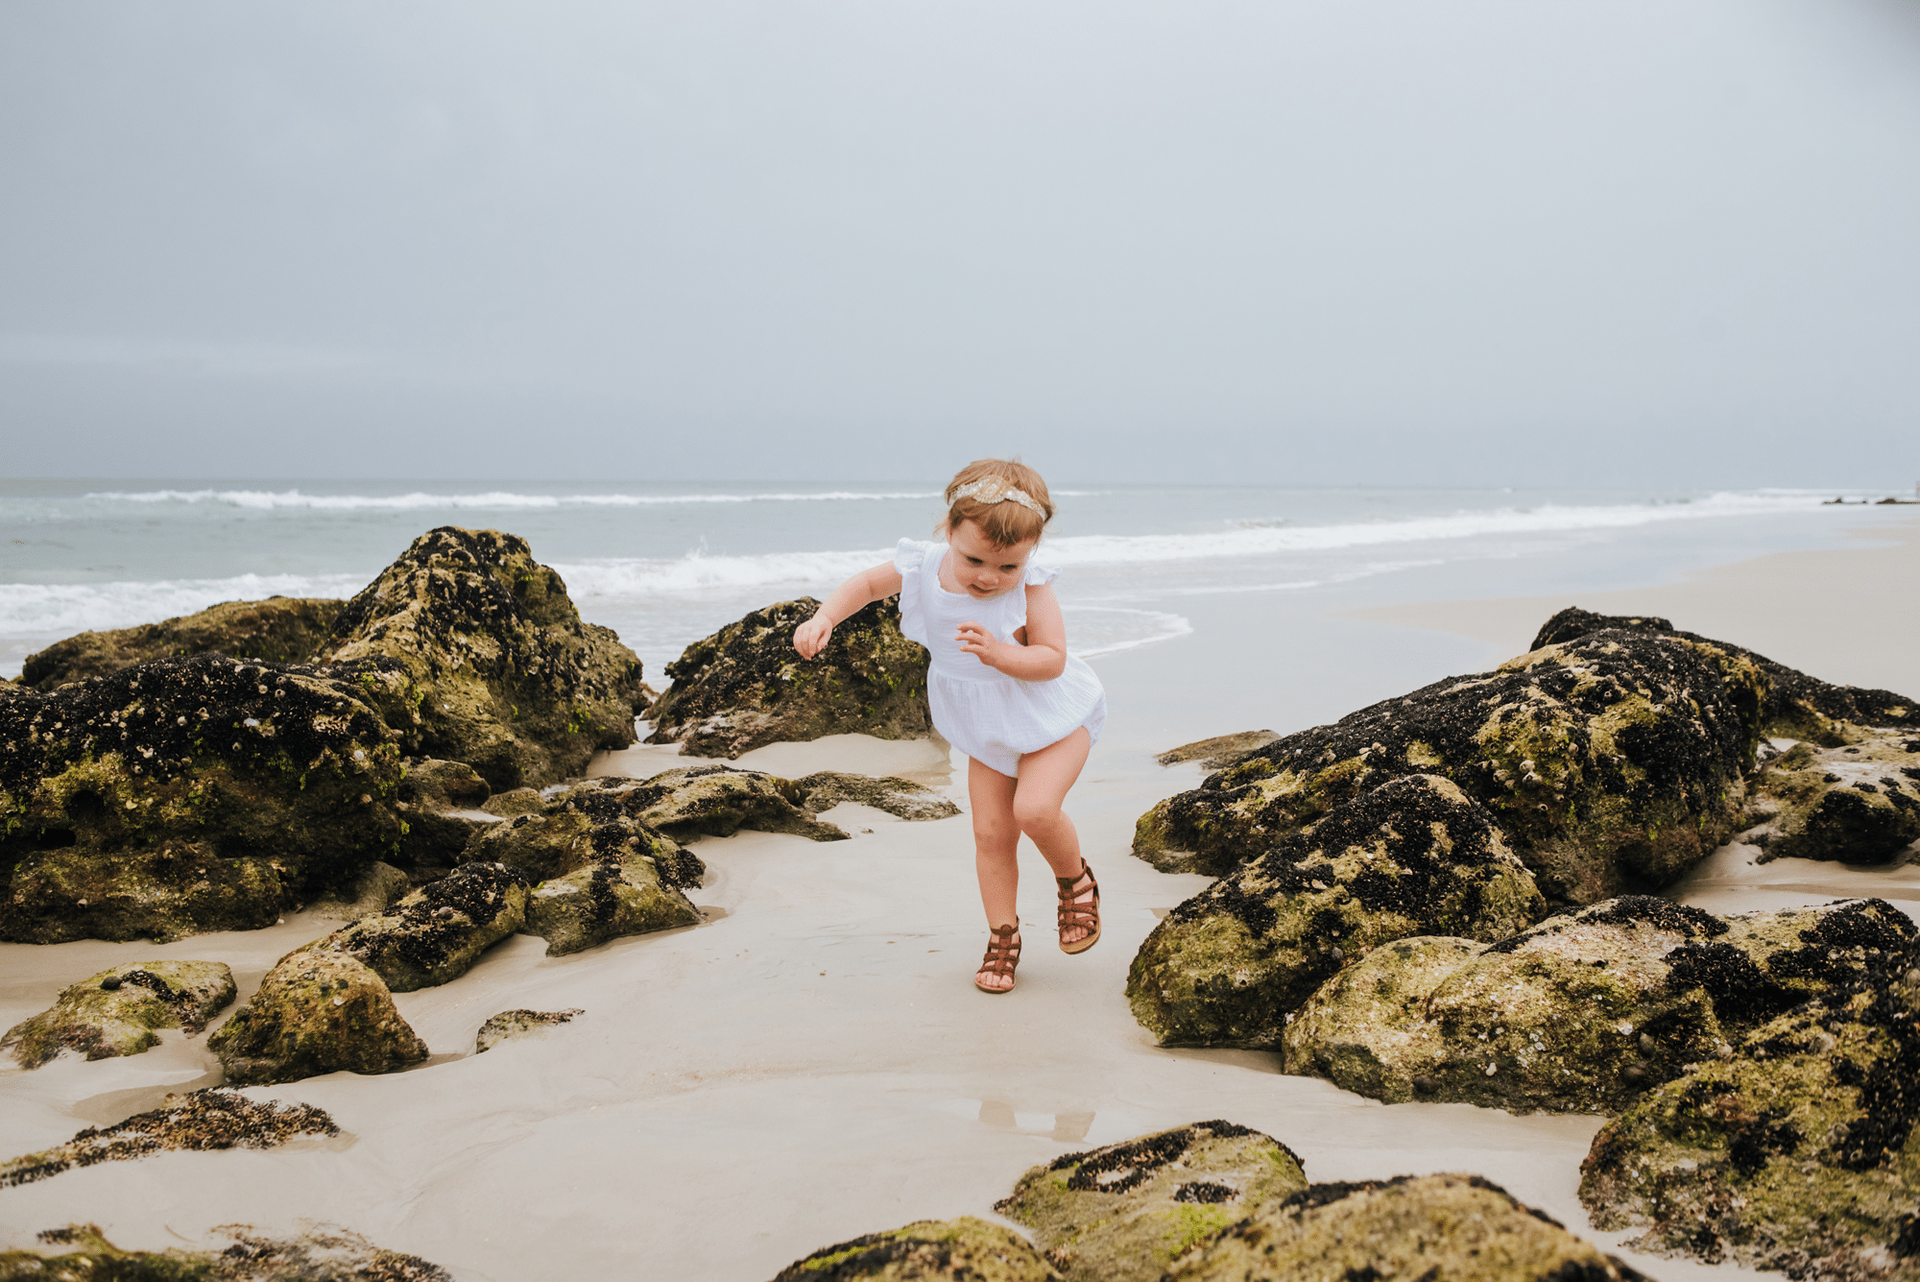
x=813, y=1063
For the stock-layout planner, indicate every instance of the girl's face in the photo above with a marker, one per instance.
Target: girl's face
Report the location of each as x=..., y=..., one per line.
x=983, y=568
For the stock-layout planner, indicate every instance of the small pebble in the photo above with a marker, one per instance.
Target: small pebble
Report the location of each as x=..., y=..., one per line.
x=110, y=983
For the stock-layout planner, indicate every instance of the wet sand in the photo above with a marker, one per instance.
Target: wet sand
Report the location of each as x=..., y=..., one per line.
x=813, y=1063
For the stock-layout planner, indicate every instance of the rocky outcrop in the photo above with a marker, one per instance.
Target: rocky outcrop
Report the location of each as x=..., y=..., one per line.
x=438, y=932
x=316, y=1012
x=216, y=1118
x=1122, y=1213
x=377, y=888
x=117, y=1011
x=901, y=798
x=321, y=1254
x=514, y=1025
x=440, y=807
x=1220, y=751
x=499, y=671
x=278, y=630
x=1796, y=1153
x=715, y=801
x=1857, y=804
x=1611, y=763
x=1437, y=1228
x=744, y=686
x=1412, y=857
x=186, y=795
x=962, y=1250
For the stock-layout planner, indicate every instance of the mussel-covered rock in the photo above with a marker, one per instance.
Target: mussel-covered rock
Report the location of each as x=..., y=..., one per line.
x=438, y=932
x=1122, y=1213
x=500, y=673
x=744, y=686
x=962, y=1250
x=1437, y=1228
x=1612, y=763
x=316, y=1012
x=277, y=630
x=117, y=1011
x=1857, y=804
x=1414, y=856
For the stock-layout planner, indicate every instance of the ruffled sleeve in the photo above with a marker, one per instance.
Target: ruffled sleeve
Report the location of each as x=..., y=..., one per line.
x=1038, y=574
x=910, y=558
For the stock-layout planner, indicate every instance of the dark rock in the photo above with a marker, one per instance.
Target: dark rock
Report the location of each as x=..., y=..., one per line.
x=1858, y=804
x=116, y=1011
x=962, y=1250
x=439, y=803
x=513, y=1025
x=901, y=798
x=1413, y=857
x=277, y=630
x=374, y=891
x=316, y=1012
x=744, y=686
x=321, y=1254
x=716, y=801
x=1436, y=1228
x=1122, y=1213
x=500, y=673
x=162, y=893
x=438, y=932
x=1612, y=763
x=1220, y=751
x=515, y=802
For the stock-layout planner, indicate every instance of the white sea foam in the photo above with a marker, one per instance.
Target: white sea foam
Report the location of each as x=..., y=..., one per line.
x=267, y=500
x=1097, y=629
x=45, y=609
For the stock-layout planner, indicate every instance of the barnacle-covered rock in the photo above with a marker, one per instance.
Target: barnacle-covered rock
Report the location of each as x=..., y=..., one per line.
x=161, y=892
x=902, y=798
x=1123, y=1212
x=744, y=686
x=1797, y=1152
x=438, y=932
x=277, y=630
x=316, y=1012
x=499, y=671
x=513, y=1025
x=1858, y=803
x=117, y=1011
x=962, y=1250
x=1436, y=1228
x=1413, y=857
x=324, y=1253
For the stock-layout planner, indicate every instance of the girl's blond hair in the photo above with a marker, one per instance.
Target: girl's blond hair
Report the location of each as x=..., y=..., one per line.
x=995, y=505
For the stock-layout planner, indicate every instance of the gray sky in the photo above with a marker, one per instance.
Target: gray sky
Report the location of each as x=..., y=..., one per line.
x=1397, y=241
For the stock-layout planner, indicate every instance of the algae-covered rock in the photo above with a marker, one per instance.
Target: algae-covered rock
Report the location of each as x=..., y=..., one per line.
x=1766, y=963
x=277, y=630
x=324, y=1253
x=1219, y=752
x=500, y=673
x=1123, y=1212
x=744, y=686
x=376, y=889
x=513, y=1025
x=215, y=1118
x=902, y=798
x=1433, y=1228
x=439, y=803
x=717, y=801
x=187, y=795
x=515, y=802
x=1612, y=763
x=1796, y=1153
x=1858, y=804
x=607, y=900
x=962, y=1250
x=1413, y=857
x=438, y=932
x=117, y=1011
x=316, y=1012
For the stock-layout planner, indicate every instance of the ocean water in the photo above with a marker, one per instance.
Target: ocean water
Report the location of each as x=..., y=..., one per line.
x=665, y=564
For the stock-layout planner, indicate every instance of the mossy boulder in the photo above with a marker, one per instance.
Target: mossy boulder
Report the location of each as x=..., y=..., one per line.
x=744, y=686
x=901, y=798
x=1122, y=1213
x=715, y=801
x=500, y=673
x=962, y=1250
x=1414, y=856
x=439, y=803
x=438, y=932
x=316, y=1012
x=117, y=1011
x=321, y=1254
x=1857, y=804
x=187, y=795
x=277, y=630
x=1612, y=763
x=1797, y=1153
x=514, y=1025
x=1220, y=751
x=1434, y=1228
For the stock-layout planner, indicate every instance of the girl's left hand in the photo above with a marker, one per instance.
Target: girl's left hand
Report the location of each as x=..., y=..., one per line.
x=979, y=643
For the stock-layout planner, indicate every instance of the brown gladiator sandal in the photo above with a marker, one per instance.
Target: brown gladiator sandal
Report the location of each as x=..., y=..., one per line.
x=1003, y=954
x=1086, y=916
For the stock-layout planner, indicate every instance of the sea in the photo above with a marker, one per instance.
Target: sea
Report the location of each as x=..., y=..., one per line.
x=665, y=564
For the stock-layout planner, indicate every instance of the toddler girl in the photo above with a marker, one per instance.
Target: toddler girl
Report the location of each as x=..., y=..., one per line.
x=1002, y=688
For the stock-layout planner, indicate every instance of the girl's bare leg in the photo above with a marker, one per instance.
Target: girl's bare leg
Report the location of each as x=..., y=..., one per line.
x=1045, y=777
x=996, y=841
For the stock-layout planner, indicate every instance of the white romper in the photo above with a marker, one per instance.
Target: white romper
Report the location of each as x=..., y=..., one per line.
x=990, y=716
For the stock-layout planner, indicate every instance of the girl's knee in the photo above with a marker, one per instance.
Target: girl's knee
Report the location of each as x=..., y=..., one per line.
x=1035, y=815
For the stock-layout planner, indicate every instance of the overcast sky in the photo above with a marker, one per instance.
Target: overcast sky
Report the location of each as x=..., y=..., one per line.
x=1395, y=241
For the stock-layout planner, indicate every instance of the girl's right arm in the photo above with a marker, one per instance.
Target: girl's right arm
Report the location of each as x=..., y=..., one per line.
x=877, y=584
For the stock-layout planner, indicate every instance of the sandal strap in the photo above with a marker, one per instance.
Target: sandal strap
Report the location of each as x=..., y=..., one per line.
x=1003, y=950
x=1085, y=915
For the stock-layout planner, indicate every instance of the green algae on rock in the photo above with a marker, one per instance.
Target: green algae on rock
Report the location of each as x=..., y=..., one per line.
x=498, y=670
x=1798, y=1152
x=277, y=630
x=321, y=1254
x=117, y=1011
x=745, y=687
x=1414, y=856
x=1434, y=1228
x=717, y=801
x=962, y=1250
x=1220, y=751
x=901, y=798
x=1123, y=1212
x=1858, y=803
x=438, y=932
x=513, y=1025
x=439, y=803
x=316, y=1012
x=215, y=1118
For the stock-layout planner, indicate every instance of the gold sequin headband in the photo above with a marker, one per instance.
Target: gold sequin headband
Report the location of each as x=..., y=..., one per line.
x=990, y=491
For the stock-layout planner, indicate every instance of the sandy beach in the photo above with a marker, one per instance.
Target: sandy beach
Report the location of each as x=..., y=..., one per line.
x=813, y=1063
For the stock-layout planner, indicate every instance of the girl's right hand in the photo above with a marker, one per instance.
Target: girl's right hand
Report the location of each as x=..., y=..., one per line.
x=811, y=637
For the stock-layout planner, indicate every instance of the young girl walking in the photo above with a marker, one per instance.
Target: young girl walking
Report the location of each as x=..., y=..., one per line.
x=1002, y=687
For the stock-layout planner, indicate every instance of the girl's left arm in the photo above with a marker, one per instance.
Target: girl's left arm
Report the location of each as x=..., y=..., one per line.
x=1043, y=654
